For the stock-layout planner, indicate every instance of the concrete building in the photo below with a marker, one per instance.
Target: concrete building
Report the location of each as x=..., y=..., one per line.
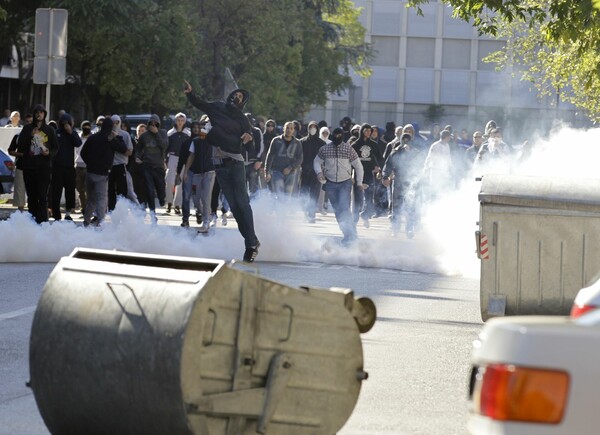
x=432, y=63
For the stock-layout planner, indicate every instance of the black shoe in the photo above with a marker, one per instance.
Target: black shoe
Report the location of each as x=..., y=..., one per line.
x=199, y=218
x=185, y=224
x=251, y=253
x=68, y=218
x=169, y=208
x=177, y=210
x=94, y=220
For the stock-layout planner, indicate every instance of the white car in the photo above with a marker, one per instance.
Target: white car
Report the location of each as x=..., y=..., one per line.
x=539, y=374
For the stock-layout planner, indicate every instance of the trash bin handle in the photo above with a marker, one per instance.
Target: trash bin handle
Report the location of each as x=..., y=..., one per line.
x=289, y=331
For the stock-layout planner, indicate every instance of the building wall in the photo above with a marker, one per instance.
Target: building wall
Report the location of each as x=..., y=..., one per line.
x=435, y=60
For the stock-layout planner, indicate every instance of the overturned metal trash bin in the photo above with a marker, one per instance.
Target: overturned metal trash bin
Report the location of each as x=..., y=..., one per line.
x=538, y=241
x=125, y=343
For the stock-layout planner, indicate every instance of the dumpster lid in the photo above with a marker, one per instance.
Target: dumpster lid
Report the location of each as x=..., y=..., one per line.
x=578, y=194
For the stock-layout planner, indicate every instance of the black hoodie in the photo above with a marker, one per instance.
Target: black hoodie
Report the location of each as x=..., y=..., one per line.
x=311, y=145
x=99, y=151
x=66, y=143
x=227, y=120
x=30, y=144
x=368, y=153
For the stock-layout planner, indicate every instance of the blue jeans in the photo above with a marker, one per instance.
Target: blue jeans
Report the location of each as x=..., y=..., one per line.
x=232, y=179
x=283, y=183
x=339, y=196
x=198, y=186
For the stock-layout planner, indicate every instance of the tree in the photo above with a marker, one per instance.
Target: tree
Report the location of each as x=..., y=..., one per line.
x=133, y=56
x=553, y=44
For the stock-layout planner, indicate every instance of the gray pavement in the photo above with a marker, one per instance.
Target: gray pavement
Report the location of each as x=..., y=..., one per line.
x=417, y=355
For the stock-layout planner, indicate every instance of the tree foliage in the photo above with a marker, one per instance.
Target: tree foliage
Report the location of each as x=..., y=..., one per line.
x=133, y=56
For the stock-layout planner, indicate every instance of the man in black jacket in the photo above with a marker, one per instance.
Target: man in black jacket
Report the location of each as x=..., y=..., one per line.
x=310, y=186
x=63, y=167
x=371, y=160
x=98, y=154
x=230, y=131
x=37, y=145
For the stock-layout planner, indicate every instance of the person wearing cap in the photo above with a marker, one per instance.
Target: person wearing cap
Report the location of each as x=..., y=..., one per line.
x=37, y=145
x=80, y=168
x=333, y=165
x=230, y=131
x=177, y=136
x=117, y=179
x=63, y=167
x=15, y=120
x=150, y=151
x=98, y=124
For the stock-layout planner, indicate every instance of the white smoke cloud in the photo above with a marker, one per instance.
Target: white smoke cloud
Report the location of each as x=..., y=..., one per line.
x=444, y=244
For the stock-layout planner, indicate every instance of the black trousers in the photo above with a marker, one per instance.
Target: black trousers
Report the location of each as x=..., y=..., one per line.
x=37, y=184
x=63, y=177
x=117, y=185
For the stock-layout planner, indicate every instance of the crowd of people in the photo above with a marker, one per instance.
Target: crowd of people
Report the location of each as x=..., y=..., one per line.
x=227, y=158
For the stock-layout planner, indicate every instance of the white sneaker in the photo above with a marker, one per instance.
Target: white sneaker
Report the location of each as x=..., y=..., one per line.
x=213, y=220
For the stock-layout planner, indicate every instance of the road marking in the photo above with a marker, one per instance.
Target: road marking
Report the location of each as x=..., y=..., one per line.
x=17, y=313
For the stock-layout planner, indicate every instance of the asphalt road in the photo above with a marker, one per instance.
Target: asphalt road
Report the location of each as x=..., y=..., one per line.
x=417, y=354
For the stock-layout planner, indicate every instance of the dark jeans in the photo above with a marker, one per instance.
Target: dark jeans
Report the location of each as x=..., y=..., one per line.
x=37, y=184
x=63, y=177
x=155, y=186
x=232, y=179
x=364, y=205
x=339, y=196
x=117, y=185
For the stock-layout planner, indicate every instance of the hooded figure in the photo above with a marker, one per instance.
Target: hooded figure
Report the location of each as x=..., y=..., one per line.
x=227, y=119
x=100, y=148
x=230, y=131
x=309, y=184
x=63, y=167
x=37, y=144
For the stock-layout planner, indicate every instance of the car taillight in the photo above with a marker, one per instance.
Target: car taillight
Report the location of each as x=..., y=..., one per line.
x=579, y=310
x=10, y=165
x=509, y=393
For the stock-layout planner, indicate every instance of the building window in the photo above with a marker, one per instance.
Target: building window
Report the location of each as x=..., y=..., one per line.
x=455, y=87
x=419, y=86
x=425, y=25
x=387, y=50
x=383, y=84
x=420, y=52
x=485, y=48
x=456, y=54
x=387, y=17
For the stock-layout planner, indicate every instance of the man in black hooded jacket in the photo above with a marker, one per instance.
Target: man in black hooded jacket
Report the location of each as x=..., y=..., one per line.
x=37, y=144
x=98, y=154
x=230, y=131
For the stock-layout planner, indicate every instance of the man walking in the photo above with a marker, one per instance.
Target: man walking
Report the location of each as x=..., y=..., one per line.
x=333, y=165
x=230, y=131
x=284, y=161
x=117, y=179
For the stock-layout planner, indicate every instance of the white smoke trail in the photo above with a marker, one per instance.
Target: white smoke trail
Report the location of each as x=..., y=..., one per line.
x=445, y=244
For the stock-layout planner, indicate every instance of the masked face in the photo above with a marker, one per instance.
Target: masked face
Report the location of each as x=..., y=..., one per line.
x=337, y=139
x=312, y=131
x=86, y=130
